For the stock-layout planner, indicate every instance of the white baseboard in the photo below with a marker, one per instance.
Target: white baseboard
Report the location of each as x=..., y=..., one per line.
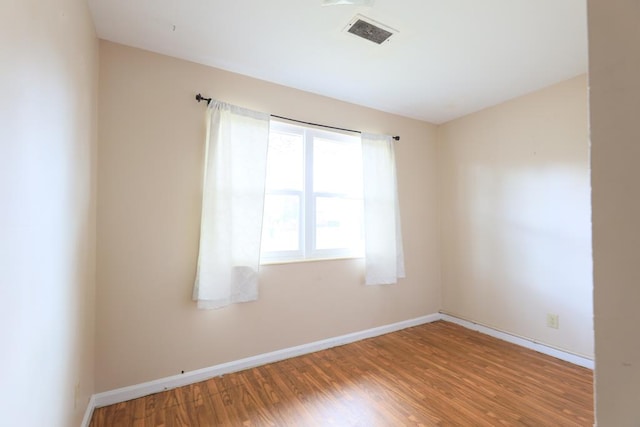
x=88, y=413
x=523, y=342
x=145, y=389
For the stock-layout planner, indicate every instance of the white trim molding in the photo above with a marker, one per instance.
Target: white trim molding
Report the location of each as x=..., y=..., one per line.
x=521, y=341
x=88, y=413
x=144, y=389
x=139, y=390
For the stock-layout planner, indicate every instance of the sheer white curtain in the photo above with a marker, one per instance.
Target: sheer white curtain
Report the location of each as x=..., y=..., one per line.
x=233, y=200
x=384, y=256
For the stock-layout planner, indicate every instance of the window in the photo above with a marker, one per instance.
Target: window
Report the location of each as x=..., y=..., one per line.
x=313, y=201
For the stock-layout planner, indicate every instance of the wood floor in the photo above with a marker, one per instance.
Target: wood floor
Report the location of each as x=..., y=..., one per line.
x=438, y=374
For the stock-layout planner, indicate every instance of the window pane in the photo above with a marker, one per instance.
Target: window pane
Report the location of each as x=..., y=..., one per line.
x=281, y=223
x=338, y=223
x=285, y=161
x=337, y=167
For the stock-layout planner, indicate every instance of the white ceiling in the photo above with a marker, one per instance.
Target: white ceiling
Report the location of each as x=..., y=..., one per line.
x=449, y=58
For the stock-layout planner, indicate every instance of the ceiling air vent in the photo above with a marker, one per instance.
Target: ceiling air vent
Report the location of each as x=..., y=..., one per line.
x=369, y=29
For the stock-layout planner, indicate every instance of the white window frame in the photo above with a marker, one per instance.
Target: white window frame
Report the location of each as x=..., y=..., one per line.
x=307, y=250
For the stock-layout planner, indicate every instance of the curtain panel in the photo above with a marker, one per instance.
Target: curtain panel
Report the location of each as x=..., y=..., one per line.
x=384, y=254
x=232, y=205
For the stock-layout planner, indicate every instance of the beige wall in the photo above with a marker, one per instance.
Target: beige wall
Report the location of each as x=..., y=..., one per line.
x=614, y=67
x=150, y=167
x=516, y=231
x=48, y=133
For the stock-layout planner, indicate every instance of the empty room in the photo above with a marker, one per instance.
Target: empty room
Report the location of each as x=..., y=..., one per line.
x=321, y=212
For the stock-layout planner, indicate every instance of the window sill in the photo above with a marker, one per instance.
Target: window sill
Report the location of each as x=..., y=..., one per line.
x=298, y=261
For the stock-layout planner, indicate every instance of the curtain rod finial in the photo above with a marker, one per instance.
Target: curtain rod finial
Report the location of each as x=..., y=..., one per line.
x=397, y=138
x=199, y=98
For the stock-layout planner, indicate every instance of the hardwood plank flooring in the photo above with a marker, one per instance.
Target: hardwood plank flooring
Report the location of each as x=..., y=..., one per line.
x=438, y=374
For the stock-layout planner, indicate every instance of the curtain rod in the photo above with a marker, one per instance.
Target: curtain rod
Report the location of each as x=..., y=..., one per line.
x=200, y=98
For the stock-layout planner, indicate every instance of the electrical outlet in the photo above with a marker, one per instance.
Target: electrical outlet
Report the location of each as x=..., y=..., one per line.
x=553, y=321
